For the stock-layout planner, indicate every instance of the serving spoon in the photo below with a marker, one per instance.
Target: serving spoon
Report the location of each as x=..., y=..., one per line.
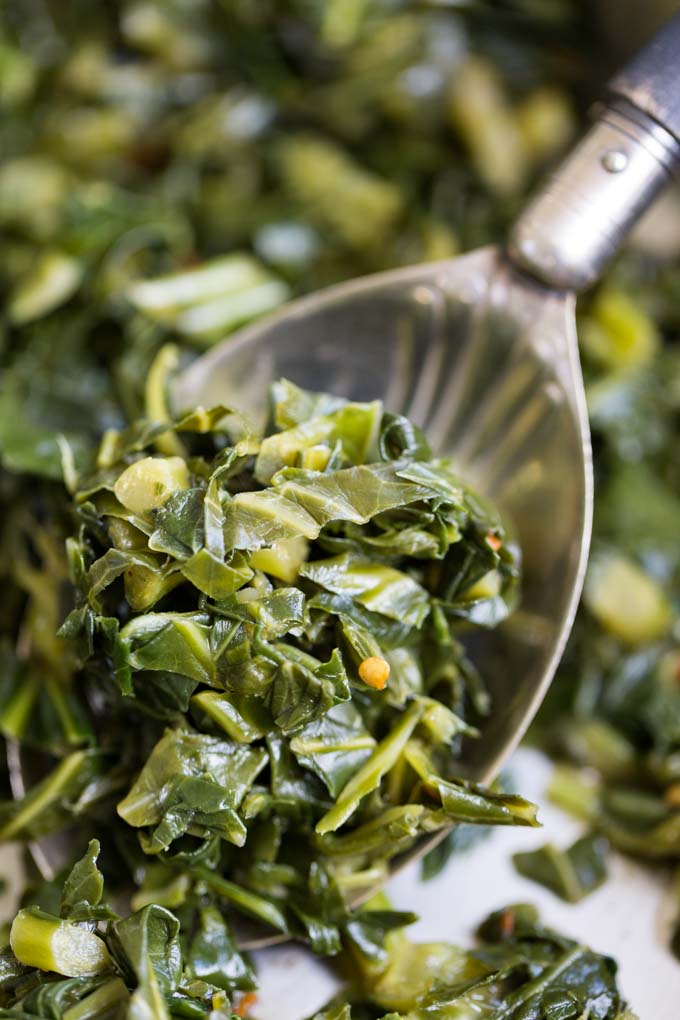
x=481, y=351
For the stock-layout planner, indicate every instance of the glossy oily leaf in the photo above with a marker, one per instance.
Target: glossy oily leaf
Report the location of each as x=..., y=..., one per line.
x=192, y=781
x=335, y=746
x=214, y=958
x=149, y=938
x=85, y=883
x=380, y=589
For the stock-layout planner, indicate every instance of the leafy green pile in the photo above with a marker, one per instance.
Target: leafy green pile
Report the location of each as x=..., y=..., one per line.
x=155, y=963
x=229, y=593
x=171, y=170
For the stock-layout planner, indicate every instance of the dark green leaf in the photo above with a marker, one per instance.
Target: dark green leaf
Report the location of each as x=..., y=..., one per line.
x=149, y=939
x=213, y=957
x=571, y=873
x=85, y=883
x=335, y=746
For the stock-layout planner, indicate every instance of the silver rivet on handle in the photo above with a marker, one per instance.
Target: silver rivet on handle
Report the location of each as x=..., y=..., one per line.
x=614, y=161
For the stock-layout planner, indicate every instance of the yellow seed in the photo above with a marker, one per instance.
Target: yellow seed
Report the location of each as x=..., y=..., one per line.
x=375, y=672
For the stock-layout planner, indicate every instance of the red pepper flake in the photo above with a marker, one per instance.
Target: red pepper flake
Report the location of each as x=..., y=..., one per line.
x=245, y=1004
x=507, y=923
x=494, y=541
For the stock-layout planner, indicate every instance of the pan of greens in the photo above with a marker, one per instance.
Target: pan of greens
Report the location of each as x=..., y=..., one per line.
x=234, y=682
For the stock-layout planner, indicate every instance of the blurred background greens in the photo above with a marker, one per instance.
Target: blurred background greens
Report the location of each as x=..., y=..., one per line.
x=173, y=168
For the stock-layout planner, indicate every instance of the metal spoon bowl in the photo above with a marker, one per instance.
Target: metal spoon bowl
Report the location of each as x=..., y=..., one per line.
x=485, y=361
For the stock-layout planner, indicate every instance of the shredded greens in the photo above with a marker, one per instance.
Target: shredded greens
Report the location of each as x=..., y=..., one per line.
x=170, y=171
x=220, y=652
x=161, y=964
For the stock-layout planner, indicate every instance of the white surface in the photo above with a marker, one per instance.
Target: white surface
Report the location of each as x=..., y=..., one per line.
x=628, y=917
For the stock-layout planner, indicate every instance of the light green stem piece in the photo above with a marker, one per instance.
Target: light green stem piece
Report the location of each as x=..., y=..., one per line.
x=52, y=944
x=58, y=780
x=244, y=900
x=222, y=711
x=103, y=1002
x=368, y=777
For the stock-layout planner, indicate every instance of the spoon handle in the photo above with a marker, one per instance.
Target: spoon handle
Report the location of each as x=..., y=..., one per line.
x=651, y=81
x=577, y=222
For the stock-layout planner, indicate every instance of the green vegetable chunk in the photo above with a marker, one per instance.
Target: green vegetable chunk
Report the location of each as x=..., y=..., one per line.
x=49, y=943
x=383, y=758
x=572, y=874
x=625, y=600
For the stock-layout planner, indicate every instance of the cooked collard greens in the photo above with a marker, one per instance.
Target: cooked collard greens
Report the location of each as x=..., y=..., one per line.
x=159, y=963
x=170, y=171
x=271, y=684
